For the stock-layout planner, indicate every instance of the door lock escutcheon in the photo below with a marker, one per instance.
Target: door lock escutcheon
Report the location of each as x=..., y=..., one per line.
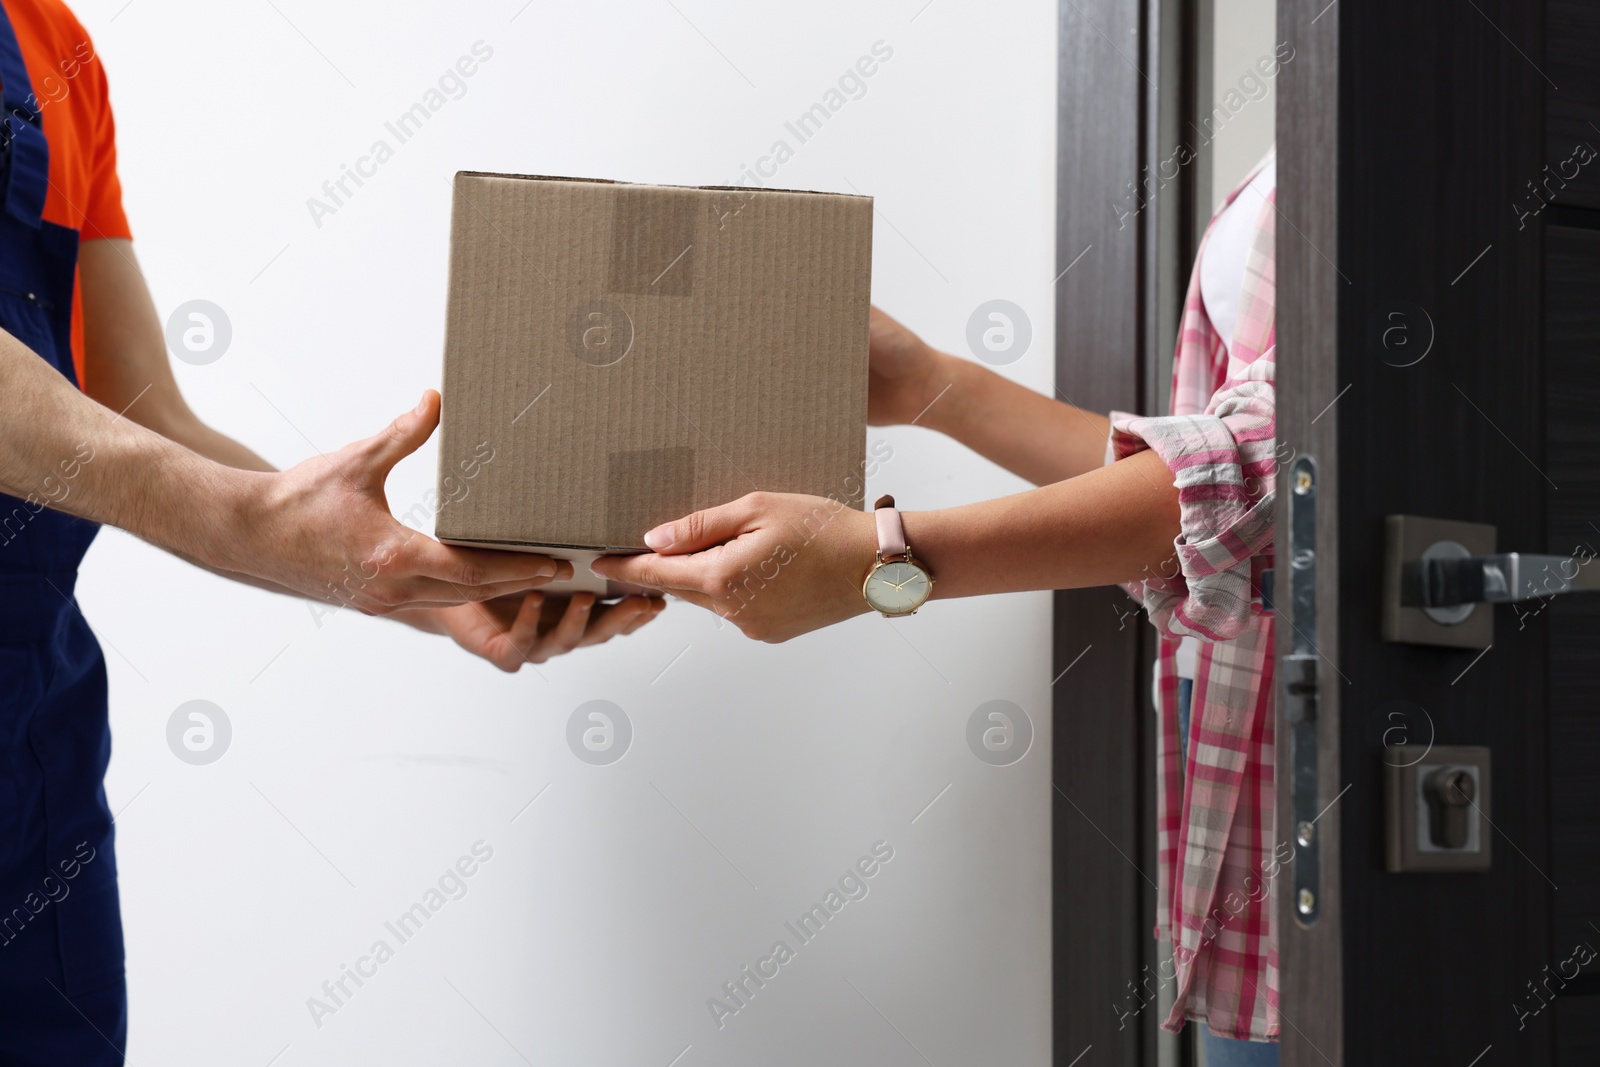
x=1436, y=808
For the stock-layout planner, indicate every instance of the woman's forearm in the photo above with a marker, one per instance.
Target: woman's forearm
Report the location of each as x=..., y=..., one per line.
x=1114, y=524
x=1032, y=435
x=778, y=565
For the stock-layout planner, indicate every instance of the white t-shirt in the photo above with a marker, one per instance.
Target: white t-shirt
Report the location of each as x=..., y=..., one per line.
x=1228, y=247
x=1221, y=286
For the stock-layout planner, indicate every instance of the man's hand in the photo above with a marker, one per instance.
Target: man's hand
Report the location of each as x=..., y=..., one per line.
x=904, y=375
x=531, y=628
x=323, y=529
x=776, y=565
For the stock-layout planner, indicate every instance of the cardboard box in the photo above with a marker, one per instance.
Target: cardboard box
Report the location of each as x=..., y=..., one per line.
x=619, y=355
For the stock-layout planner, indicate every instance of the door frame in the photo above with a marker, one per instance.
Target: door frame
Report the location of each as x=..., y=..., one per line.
x=1120, y=261
x=1098, y=807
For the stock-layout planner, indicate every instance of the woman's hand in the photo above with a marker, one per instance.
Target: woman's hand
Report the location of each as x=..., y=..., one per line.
x=776, y=565
x=510, y=631
x=905, y=375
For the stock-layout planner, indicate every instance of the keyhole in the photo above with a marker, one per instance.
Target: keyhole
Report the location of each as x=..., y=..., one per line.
x=1450, y=792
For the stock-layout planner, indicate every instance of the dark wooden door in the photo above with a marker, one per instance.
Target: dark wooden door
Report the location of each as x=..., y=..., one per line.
x=1438, y=162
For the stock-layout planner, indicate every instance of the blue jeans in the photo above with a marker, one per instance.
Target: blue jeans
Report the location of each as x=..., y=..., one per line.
x=1185, y=697
x=1228, y=1052
x=1220, y=1051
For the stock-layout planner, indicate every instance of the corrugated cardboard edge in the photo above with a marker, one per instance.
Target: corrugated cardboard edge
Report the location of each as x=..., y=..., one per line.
x=660, y=185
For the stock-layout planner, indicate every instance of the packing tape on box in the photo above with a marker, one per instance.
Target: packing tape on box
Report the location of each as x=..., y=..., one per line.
x=653, y=235
x=645, y=488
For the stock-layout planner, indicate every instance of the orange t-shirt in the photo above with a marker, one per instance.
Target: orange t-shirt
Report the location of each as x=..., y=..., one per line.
x=75, y=109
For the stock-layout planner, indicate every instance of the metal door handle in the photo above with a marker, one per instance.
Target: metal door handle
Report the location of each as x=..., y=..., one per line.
x=1445, y=582
x=1436, y=572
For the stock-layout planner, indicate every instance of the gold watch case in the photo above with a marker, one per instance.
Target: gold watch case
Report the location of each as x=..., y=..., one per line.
x=908, y=561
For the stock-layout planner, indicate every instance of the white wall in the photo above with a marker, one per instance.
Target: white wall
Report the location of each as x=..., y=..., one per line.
x=1244, y=32
x=366, y=758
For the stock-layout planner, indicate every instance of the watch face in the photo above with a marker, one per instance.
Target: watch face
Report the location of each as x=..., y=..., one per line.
x=897, y=588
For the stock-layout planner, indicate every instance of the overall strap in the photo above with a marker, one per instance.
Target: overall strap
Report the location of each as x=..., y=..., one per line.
x=24, y=152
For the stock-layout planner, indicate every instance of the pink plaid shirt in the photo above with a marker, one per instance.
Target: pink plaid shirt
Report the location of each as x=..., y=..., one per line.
x=1215, y=816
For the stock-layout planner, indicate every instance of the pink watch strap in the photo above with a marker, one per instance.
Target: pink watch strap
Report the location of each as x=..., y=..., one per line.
x=891, y=530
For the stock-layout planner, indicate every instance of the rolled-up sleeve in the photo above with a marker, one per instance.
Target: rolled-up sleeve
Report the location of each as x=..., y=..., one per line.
x=1224, y=464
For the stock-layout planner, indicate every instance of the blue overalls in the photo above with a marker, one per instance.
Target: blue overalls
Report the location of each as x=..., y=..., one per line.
x=62, y=994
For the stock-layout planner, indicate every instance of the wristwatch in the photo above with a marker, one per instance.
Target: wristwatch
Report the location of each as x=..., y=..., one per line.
x=898, y=583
